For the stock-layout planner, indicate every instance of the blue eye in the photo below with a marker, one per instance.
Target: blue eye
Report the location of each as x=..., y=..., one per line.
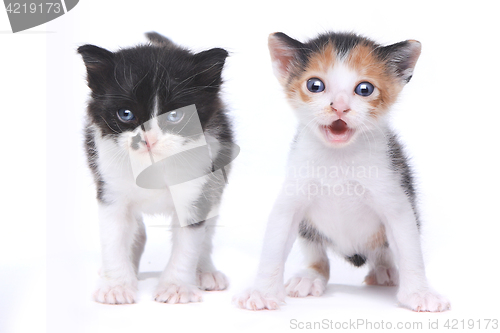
x=175, y=116
x=315, y=85
x=125, y=115
x=364, y=89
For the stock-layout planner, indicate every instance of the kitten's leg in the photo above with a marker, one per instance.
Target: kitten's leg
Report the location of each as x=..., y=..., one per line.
x=139, y=243
x=118, y=279
x=313, y=279
x=281, y=231
x=404, y=238
x=208, y=277
x=178, y=281
x=383, y=271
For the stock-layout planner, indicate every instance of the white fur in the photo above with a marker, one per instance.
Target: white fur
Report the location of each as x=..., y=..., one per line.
x=123, y=233
x=348, y=192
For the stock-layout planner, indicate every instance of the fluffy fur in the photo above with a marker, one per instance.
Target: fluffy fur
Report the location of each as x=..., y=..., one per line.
x=152, y=80
x=349, y=187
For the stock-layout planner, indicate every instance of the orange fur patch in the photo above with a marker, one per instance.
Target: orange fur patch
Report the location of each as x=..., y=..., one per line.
x=319, y=62
x=322, y=61
x=378, y=240
x=295, y=88
x=322, y=267
x=362, y=60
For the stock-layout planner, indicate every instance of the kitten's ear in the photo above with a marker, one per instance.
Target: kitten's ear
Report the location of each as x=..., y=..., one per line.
x=159, y=40
x=99, y=63
x=283, y=50
x=402, y=57
x=209, y=65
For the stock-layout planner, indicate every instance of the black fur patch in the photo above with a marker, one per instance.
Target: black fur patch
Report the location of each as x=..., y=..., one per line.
x=135, y=141
x=92, y=154
x=357, y=260
x=401, y=166
x=309, y=232
x=343, y=42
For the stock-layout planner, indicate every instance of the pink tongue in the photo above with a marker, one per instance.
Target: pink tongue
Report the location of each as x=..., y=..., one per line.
x=338, y=127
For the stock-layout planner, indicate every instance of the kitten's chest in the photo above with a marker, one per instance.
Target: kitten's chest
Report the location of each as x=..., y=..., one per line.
x=339, y=188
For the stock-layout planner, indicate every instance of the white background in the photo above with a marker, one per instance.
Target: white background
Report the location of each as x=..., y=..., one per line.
x=448, y=116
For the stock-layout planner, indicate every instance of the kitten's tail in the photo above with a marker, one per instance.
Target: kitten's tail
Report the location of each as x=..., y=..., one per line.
x=158, y=40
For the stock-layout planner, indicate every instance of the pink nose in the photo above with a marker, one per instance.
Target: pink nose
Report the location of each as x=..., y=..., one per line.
x=150, y=140
x=340, y=108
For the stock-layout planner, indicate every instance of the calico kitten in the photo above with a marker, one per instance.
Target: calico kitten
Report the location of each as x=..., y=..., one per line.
x=131, y=90
x=349, y=186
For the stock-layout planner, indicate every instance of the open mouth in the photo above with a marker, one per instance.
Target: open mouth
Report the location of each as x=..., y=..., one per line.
x=338, y=132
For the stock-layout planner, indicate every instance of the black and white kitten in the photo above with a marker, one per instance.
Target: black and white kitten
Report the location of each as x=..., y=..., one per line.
x=349, y=187
x=133, y=90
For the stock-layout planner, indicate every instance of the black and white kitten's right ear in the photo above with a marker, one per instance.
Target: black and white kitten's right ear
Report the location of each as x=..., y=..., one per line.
x=284, y=51
x=100, y=66
x=208, y=66
x=159, y=40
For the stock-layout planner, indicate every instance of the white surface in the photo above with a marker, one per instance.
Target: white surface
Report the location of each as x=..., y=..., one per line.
x=448, y=117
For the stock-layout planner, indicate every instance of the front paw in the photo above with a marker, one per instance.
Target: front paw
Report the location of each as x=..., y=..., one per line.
x=256, y=300
x=302, y=286
x=382, y=276
x=424, y=301
x=212, y=281
x=177, y=293
x=115, y=293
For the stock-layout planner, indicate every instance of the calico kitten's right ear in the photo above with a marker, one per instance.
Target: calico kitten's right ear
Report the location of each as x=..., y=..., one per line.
x=99, y=63
x=159, y=40
x=283, y=51
x=402, y=57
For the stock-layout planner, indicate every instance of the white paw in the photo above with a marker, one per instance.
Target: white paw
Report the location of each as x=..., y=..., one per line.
x=301, y=286
x=115, y=294
x=382, y=276
x=422, y=301
x=175, y=293
x=255, y=300
x=212, y=281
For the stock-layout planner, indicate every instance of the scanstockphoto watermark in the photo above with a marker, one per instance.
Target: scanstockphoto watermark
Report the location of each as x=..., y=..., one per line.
x=354, y=324
x=366, y=324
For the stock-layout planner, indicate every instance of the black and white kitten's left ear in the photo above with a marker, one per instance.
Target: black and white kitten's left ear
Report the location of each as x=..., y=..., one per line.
x=284, y=51
x=100, y=66
x=402, y=57
x=208, y=66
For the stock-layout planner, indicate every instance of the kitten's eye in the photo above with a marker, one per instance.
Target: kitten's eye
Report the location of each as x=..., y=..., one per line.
x=364, y=89
x=175, y=116
x=315, y=85
x=125, y=115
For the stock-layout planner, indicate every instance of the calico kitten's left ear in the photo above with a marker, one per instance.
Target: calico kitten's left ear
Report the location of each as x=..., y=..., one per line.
x=209, y=65
x=402, y=57
x=284, y=51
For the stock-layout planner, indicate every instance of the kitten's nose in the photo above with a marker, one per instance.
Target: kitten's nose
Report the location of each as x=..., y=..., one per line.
x=340, y=105
x=151, y=140
x=340, y=108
